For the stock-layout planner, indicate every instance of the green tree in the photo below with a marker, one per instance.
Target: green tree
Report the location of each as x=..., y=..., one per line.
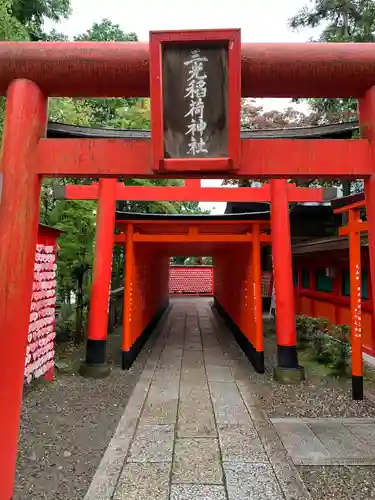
x=31, y=14
x=341, y=21
x=133, y=115
x=11, y=28
x=56, y=36
x=106, y=111
x=24, y=20
x=77, y=220
x=106, y=31
x=70, y=111
x=112, y=112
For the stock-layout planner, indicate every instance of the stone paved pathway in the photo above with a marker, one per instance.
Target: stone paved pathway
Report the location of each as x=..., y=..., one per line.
x=191, y=429
x=335, y=441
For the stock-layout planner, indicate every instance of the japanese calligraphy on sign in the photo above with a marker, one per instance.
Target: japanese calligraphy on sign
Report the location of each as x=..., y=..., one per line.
x=195, y=82
x=196, y=92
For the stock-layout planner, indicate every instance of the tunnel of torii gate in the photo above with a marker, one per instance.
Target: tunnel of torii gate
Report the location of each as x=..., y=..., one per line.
x=32, y=72
x=149, y=241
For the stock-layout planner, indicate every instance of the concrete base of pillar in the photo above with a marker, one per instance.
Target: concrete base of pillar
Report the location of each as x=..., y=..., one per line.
x=94, y=371
x=289, y=375
x=95, y=365
x=357, y=387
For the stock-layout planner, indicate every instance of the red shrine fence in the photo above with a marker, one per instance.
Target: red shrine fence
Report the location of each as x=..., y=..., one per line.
x=191, y=280
x=199, y=281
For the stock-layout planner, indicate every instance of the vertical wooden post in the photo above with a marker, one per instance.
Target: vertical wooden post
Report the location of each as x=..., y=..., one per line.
x=257, y=298
x=95, y=363
x=246, y=318
x=287, y=369
x=128, y=298
x=356, y=304
x=25, y=124
x=193, y=184
x=367, y=124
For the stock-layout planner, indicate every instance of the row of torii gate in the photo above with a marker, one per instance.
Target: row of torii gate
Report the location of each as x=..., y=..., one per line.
x=236, y=236
x=164, y=69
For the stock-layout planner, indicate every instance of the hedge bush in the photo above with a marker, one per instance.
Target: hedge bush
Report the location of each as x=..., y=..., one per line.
x=328, y=343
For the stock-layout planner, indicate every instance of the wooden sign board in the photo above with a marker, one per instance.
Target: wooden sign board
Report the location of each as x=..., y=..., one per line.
x=195, y=100
x=195, y=104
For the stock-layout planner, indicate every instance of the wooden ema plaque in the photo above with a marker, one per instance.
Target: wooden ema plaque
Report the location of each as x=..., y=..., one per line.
x=195, y=100
x=40, y=351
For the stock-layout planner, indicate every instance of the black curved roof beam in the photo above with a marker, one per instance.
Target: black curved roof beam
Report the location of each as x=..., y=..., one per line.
x=337, y=131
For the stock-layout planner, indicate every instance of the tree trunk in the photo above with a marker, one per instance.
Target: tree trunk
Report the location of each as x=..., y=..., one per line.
x=79, y=337
x=346, y=24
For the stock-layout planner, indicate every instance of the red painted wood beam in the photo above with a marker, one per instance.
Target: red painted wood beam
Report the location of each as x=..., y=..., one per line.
x=256, y=288
x=95, y=69
x=283, y=277
x=101, y=281
x=355, y=303
x=180, y=222
x=186, y=238
x=197, y=238
x=367, y=121
x=267, y=158
x=127, y=324
x=359, y=226
x=191, y=192
x=347, y=208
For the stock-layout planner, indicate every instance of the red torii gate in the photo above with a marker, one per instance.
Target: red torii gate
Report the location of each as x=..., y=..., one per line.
x=30, y=73
x=194, y=191
x=353, y=230
x=226, y=238
x=108, y=191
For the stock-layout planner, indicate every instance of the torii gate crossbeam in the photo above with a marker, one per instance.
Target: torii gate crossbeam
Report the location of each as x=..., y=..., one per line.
x=194, y=191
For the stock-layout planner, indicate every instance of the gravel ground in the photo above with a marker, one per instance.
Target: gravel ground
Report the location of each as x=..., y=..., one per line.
x=65, y=428
x=339, y=483
x=319, y=396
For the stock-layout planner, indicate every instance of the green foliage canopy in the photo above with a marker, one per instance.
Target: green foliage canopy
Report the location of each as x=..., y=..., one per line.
x=340, y=21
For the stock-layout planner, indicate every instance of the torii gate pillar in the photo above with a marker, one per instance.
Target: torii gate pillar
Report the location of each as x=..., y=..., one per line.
x=367, y=123
x=95, y=363
x=287, y=369
x=25, y=124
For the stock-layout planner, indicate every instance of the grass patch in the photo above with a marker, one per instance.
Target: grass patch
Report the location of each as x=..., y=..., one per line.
x=314, y=367
x=324, y=344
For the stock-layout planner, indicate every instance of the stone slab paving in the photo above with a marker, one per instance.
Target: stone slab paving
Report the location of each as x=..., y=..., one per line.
x=342, y=441
x=191, y=429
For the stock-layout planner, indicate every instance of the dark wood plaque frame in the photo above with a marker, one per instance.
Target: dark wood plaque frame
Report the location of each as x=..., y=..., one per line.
x=158, y=40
